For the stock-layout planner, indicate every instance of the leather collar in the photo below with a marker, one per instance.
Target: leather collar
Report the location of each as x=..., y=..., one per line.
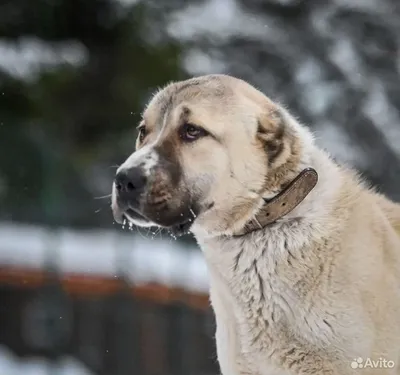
x=283, y=203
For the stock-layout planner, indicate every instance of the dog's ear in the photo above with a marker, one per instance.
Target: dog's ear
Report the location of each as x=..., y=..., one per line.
x=272, y=132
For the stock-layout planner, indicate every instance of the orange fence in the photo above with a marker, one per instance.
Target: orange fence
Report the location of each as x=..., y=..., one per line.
x=77, y=284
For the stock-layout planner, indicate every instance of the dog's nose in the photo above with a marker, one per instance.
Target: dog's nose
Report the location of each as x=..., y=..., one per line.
x=130, y=182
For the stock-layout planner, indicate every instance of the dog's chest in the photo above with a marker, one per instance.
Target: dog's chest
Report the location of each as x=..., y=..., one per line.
x=259, y=276
x=263, y=289
x=244, y=333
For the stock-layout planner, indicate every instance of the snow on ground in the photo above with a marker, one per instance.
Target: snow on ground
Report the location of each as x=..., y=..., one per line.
x=104, y=253
x=12, y=365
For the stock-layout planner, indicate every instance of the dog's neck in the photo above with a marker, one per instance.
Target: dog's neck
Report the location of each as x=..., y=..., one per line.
x=309, y=209
x=283, y=203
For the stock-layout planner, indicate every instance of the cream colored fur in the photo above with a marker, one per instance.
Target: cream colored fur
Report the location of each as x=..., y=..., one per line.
x=316, y=290
x=329, y=290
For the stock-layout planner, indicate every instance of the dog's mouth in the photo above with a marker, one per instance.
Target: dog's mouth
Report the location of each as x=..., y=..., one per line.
x=178, y=228
x=181, y=229
x=134, y=216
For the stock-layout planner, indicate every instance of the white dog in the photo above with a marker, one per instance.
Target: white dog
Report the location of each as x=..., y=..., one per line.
x=304, y=260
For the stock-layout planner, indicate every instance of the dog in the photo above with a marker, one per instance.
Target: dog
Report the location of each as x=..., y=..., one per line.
x=303, y=256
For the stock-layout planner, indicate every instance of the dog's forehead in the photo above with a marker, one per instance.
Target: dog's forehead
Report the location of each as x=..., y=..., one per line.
x=203, y=90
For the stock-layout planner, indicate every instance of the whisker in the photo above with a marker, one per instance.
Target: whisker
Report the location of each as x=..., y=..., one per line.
x=103, y=197
x=140, y=233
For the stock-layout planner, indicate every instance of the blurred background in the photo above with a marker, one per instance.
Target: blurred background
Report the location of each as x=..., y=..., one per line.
x=78, y=293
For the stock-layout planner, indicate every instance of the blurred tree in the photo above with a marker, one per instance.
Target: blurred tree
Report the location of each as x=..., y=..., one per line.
x=61, y=127
x=333, y=63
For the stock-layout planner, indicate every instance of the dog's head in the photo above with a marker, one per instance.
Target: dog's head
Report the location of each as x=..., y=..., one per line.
x=208, y=150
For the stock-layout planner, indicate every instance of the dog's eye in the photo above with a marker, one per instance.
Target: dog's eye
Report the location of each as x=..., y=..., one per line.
x=191, y=132
x=142, y=133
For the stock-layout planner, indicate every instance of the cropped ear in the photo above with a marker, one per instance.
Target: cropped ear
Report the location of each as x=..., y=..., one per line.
x=272, y=132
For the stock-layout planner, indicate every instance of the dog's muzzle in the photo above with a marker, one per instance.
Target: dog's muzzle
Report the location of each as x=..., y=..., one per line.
x=130, y=185
x=146, y=192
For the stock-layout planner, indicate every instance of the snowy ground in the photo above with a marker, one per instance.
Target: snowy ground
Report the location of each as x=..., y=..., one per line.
x=105, y=253
x=12, y=365
x=94, y=252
